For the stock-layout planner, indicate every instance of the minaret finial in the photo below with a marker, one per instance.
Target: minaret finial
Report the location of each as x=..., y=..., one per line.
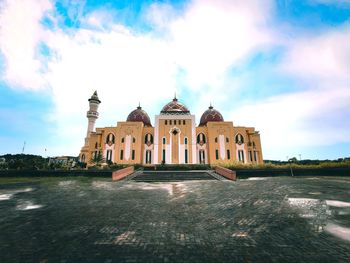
x=95, y=98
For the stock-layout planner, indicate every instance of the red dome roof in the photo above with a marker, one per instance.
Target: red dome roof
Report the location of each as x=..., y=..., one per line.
x=139, y=115
x=175, y=107
x=211, y=115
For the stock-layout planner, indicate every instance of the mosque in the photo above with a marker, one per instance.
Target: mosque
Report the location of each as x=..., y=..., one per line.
x=174, y=138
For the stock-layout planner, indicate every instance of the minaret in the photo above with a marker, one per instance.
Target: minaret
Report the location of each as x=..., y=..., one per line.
x=92, y=115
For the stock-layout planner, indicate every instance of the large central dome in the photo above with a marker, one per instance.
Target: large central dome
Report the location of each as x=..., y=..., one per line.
x=175, y=107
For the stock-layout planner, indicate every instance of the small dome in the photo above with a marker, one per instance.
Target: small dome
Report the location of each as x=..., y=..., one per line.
x=139, y=115
x=175, y=107
x=210, y=115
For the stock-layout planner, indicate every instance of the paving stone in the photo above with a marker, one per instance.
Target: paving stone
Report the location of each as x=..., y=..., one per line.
x=281, y=219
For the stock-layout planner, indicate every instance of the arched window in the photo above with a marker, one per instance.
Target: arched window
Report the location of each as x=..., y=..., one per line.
x=164, y=140
x=83, y=158
x=123, y=140
x=186, y=140
x=254, y=145
x=239, y=139
x=148, y=139
x=133, y=140
x=227, y=140
x=216, y=139
x=96, y=145
x=110, y=139
x=201, y=138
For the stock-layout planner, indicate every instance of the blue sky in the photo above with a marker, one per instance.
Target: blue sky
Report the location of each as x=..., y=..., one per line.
x=281, y=66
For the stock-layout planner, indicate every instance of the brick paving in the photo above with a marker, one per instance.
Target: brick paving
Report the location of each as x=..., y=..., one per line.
x=280, y=219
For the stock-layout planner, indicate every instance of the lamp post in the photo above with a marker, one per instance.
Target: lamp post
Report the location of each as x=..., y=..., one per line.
x=290, y=166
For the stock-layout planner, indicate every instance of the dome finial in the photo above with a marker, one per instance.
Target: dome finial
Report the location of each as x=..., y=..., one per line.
x=211, y=106
x=139, y=107
x=175, y=99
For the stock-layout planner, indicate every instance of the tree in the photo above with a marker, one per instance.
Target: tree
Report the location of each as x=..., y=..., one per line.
x=293, y=160
x=97, y=159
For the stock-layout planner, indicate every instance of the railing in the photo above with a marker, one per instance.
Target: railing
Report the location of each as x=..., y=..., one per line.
x=227, y=173
x=122, y=173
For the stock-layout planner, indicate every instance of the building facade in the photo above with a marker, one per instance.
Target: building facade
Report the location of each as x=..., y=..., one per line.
x=174, y=139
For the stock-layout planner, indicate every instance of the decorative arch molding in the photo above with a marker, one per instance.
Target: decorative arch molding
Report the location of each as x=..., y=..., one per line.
x=110, y=139
x=201, y=139
x=239, y=139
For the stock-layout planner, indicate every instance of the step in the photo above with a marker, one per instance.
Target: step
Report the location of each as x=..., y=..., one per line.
x=163, y=176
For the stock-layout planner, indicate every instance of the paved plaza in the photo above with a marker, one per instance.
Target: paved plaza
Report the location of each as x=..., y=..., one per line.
x=282, y=219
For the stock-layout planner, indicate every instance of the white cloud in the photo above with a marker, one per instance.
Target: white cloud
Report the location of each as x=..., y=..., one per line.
x=160, y=16
x=20, y=33
x=325, y=57
x=304, y=118
x=126, y=67
x=214, y=35
x=318, y=114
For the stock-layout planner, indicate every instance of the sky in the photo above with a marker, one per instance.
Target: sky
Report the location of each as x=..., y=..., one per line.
x=280, y=66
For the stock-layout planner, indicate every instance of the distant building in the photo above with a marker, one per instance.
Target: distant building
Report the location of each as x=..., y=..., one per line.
x=174, y=138
x=64, y=161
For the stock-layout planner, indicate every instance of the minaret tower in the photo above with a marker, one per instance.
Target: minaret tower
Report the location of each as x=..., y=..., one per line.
x=92, y=115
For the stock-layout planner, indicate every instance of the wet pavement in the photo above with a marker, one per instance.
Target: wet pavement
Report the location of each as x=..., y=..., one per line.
x=282, y=219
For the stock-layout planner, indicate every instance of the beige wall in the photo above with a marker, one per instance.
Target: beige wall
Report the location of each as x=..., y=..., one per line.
x=225, y=133
x=220, y=140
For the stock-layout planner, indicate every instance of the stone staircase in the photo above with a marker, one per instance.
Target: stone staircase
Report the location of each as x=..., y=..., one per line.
x=169, y=176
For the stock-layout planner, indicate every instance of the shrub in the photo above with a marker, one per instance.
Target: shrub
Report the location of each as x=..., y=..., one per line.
x=177, y=167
